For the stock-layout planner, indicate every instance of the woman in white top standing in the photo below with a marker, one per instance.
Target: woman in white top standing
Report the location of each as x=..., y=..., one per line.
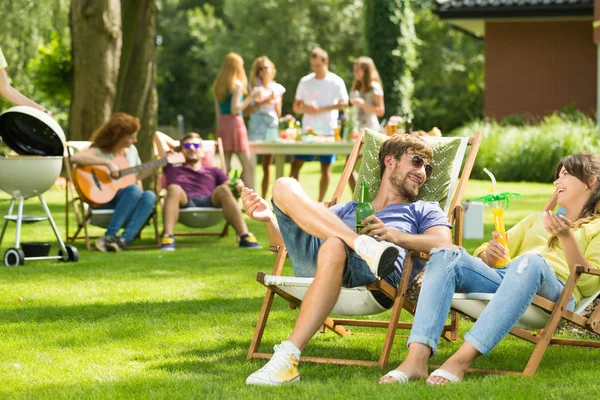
x=366, y=95
x=265, y=111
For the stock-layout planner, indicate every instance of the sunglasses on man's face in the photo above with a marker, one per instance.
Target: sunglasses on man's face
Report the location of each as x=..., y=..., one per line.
x=418, y=162
x=194, y=145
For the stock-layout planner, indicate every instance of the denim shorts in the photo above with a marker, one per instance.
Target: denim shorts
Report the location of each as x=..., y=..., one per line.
x=327, y=159
x=202, y=201
x=303, y=250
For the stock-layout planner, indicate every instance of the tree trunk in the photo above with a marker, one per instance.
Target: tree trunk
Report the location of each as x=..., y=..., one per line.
x=96, y=41
x=136, y=90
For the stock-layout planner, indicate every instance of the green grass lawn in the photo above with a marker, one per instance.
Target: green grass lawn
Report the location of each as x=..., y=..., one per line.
x=148, y=324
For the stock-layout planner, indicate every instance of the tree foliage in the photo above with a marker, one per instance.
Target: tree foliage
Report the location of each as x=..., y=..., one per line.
x=284, y=30
x=449, y=81
x=26, y=27
x=391, y=40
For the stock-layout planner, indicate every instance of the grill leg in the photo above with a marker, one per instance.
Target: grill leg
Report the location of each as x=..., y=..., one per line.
x=10, y=211
x=54, y=228
x=19, y=222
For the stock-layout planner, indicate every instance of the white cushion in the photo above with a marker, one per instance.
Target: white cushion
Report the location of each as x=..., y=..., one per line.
x=472, y=304
x=352, y=301
x=200, y=217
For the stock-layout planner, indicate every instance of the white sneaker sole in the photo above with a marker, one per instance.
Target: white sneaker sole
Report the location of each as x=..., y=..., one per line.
x=262, y=382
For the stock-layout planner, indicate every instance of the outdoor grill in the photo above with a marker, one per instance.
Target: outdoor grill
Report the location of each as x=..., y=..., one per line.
x=39, y=142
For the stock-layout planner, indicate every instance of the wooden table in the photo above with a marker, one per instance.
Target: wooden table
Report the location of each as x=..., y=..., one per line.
x=280, y=149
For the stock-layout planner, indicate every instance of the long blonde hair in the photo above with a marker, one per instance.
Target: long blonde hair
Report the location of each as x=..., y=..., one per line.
x=231, y=70
x=370, y=75
x=583, y=167
x=257, y=66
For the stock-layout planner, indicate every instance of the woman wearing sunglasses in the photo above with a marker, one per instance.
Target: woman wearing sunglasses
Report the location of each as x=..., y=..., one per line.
x=265, y=111
x=543, y=247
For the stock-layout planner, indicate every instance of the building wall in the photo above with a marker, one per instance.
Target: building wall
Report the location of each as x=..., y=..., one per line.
x=536, y=67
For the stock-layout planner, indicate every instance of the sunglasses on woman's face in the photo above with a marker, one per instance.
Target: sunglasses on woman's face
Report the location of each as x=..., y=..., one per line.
x=418, y=162
x=194, y=145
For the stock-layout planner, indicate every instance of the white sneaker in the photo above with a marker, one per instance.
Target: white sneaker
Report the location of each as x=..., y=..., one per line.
x=380, y=256
x=280, y=370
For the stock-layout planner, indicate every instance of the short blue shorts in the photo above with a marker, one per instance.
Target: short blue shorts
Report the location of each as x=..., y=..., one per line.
x=326, y=159
x=202, y=201
x=303, y=250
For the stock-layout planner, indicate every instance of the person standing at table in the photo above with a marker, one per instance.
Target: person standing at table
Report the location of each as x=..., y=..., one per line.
x=319, y=96
x=366, y=95
x=10, y=93
x=264, y=112
x=229, y=89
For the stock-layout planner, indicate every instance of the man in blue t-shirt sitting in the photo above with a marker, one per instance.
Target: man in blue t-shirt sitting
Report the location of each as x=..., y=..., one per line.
x=323, y=244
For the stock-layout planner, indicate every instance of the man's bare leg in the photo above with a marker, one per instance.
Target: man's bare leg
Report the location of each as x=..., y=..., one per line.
x=311, y=216
x=223, y=198
x=176, y=198
x=322, y=293
x=295, y=171
x=324, y=182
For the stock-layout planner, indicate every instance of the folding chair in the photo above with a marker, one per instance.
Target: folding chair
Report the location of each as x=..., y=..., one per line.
x=542, y=316
x=443, y=187
x=199, y=217
x=86, y=215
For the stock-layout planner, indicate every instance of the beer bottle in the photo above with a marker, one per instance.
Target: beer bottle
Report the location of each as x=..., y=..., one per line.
x=233, y=183
x=364, y=208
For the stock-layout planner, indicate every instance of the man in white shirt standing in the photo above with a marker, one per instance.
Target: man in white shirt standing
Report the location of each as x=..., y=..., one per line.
x=319, y=96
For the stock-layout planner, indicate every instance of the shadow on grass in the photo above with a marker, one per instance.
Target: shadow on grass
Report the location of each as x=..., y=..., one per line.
x=96, y=312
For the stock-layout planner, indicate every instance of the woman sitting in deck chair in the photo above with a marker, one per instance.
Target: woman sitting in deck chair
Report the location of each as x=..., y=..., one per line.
x=543, y=247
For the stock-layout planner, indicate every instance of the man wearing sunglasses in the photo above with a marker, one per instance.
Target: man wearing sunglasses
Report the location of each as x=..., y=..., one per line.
x=322, y=243
x=195, y=185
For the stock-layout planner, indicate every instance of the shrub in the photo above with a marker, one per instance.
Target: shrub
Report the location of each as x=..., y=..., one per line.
x=531, y=153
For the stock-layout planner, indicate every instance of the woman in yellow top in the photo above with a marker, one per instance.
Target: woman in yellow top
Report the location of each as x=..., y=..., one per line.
x=10, y=93
x=543, y=247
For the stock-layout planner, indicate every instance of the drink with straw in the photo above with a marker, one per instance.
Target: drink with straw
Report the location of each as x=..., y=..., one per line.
x=498, y=202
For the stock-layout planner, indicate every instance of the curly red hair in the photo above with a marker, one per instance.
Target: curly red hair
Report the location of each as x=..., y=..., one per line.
x=116, y=128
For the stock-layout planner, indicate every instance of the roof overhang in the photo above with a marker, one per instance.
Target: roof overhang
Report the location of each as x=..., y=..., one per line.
x=472, y=18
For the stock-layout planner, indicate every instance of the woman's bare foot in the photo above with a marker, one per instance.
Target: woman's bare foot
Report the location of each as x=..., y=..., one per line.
x=413, y=367
x=410, y=370
x=455, y=365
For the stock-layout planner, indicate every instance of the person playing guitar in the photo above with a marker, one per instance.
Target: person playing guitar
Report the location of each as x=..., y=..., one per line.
x=113, y=147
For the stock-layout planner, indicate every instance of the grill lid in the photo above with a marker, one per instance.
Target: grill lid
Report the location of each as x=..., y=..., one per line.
x=29, y=131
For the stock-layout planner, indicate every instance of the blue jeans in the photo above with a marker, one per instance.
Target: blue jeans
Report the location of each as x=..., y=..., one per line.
x=303, y=250
x=449, y=271
x=132, y=206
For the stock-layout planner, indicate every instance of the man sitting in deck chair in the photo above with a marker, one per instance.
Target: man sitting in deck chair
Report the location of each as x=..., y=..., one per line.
x=192, y=185
x=322, y=242
x=543, y=248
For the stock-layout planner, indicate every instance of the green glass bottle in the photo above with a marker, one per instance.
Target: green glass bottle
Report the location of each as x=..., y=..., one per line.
x=233, y=183
x=364, y=208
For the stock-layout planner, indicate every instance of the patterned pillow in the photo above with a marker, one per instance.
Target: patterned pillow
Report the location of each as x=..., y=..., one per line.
x=447, y=159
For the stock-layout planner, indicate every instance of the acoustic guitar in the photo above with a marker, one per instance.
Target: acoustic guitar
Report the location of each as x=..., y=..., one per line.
x=96, y=186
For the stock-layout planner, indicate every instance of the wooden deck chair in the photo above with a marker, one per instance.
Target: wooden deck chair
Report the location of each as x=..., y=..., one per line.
x=542, y=316
x=199, y=217
x=444, y=186
x=86, y=215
